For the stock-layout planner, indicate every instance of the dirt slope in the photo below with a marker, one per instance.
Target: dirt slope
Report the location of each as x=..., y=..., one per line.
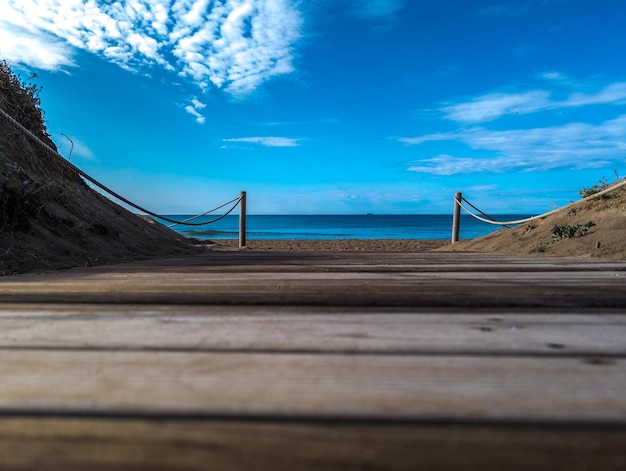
x=50, y=219
x=606, y=239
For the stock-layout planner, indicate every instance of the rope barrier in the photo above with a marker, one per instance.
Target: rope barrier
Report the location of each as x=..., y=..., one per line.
x=497, y=223
x=187, y=223
x=481, y=212
x=523, y=221
x=103, y=187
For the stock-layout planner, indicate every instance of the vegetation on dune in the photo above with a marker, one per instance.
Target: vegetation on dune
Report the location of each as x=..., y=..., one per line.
x=21, y=100
x=21, y=195
x=601, y=185
x=567, y=231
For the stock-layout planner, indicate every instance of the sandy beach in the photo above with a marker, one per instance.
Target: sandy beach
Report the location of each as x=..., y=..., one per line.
x=337, y=245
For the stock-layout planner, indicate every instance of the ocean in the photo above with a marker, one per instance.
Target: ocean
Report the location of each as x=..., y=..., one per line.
x=328, y=227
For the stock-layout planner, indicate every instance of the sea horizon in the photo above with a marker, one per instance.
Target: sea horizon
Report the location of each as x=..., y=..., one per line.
x=337, y=226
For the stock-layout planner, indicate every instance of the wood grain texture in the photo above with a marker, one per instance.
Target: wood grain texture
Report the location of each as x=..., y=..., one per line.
x=357, y=279
x=292, y=329
x=373, y=387
x=255, y=360
x=51, y=444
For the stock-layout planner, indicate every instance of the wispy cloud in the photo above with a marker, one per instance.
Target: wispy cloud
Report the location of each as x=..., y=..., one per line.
x=72, y=147
x=81, y=149
x=611, y=94
x=377, y=9
x=489, y=188
x=230, y=44
x=268, y=141
x=570, y=146
x=554, y=76
x=194, y=110
x=495, y=105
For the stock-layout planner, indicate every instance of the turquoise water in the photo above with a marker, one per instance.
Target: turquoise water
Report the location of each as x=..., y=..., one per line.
x=325, y=227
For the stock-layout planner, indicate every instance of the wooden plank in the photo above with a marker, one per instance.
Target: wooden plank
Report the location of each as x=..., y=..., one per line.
x=557, y=289
x=431, y=261
x=247, y=360
x=372, y=387
x=73, y=444
x=206, y=328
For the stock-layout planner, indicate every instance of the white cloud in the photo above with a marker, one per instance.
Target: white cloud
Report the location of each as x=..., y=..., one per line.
x=495, y=105
x=426, y=138
x=553, y=76
x=571, y=146
x=492, y=106
x=612, y=94
x=35, y=47
x=231, y=44
x=200, y=119
x=450, y=165
x=236, y=45
x=197, y=104
x=268, y=141
x=194, y=108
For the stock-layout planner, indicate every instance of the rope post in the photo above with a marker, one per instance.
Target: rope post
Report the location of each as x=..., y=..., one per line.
x=242, y=220
x=456, y=217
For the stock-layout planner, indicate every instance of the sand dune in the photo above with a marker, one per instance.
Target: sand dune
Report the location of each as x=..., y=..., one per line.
x=605, y=239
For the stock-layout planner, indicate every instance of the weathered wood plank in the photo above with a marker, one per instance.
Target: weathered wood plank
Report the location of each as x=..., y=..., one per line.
x=243, y=360
x=244, y=328
x=575, y=289
x=48, y=444
x=430, y=261
x=240, y=385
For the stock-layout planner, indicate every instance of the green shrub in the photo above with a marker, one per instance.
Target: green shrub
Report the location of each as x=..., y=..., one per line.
x=592, y=190
x=568, y=231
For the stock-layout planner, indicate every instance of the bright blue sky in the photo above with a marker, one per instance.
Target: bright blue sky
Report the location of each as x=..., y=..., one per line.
x=331, y=106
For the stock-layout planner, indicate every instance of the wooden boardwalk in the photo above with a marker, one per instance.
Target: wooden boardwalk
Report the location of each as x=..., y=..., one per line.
x=262, y=360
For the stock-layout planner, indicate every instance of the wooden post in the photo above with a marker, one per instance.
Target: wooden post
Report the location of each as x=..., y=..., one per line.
x=456, y=217
x=242, y=220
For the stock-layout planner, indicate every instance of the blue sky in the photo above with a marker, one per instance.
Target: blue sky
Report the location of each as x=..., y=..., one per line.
x=331, y=106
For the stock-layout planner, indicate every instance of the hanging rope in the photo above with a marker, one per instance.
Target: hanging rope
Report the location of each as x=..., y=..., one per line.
x=484, y=214
x=533, y=218
x=187, y=223
x=46, y=147
x=497, y=223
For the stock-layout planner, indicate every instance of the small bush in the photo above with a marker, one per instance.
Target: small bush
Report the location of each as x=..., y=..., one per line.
x=592, y=190
x=21, y=100
x=568, y=231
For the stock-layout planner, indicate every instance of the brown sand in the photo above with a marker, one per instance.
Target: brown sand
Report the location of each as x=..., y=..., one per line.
x=339, y=245
x=606, y=239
